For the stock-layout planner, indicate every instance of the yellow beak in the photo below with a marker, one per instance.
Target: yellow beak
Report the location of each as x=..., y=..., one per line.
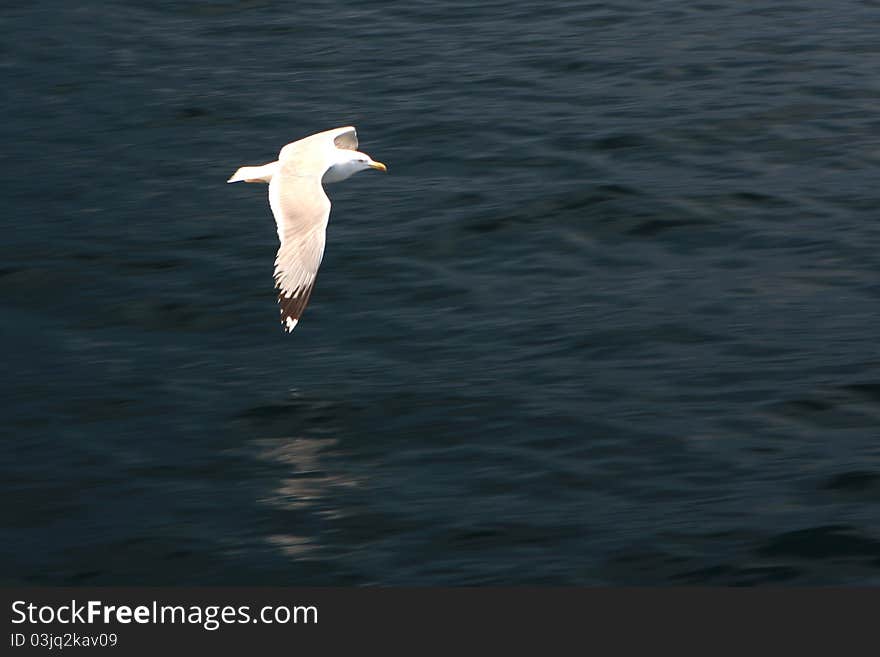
x=378, y=166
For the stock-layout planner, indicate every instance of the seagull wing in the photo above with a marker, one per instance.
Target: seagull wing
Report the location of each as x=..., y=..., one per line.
x=345, y=138
x=301, y=210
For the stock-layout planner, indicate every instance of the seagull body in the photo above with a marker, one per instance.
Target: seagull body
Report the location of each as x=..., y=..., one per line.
x=302, y=209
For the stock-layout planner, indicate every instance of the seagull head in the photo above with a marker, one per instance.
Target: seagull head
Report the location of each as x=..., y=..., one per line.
x=346, y=163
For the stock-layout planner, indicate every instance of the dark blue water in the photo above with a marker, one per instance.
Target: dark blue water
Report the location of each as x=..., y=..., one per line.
x=610, y=318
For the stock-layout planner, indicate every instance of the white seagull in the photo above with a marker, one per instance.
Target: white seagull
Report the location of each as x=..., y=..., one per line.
x=302, y=209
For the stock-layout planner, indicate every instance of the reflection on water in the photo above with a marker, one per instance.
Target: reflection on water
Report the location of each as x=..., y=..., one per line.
x=308, y=486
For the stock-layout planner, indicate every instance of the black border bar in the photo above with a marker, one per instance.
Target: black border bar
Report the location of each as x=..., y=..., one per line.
x=487, y=621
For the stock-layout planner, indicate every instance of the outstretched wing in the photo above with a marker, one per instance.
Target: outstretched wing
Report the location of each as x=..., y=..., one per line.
x=347, y=138
x=301, y=210
x=303, y=149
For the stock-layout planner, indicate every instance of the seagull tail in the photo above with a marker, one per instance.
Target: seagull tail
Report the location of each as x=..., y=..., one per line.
x=261, y=174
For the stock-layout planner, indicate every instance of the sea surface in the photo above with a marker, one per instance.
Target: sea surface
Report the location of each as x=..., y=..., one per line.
x=610, y=318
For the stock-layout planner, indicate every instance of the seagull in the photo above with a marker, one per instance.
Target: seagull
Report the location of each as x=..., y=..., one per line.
x=302, y=209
